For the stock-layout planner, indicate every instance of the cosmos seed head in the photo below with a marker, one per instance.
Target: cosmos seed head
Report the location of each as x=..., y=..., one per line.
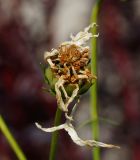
x=69, y=77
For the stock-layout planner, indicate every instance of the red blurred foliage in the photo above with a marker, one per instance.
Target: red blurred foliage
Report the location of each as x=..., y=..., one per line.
x=22, y=101
x=118, y=47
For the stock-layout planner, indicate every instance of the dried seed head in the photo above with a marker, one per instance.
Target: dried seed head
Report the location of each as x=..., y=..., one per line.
x=69, y=76
x=70, y=62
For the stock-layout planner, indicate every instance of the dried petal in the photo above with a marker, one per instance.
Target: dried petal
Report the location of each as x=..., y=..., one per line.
x=82, y=37
x=52, y=129
x=74, y=136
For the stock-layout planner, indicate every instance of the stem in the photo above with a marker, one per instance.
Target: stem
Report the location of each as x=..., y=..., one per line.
x=90, y=121
x=93, y=91
x=8, y=135
x=54, y=139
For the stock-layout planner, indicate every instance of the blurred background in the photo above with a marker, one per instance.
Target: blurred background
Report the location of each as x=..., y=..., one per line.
x=28, y=28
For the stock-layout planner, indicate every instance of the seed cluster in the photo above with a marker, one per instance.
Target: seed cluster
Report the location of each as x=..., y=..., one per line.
x=70, y=62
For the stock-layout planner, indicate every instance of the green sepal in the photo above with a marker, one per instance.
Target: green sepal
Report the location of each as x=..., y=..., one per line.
x=52, y=92
x=51, y=80
x=43, y=69
x=48, y=75
x=69, y=89
x=84, y=88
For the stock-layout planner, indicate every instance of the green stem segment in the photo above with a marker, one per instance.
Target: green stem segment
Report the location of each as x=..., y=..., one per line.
x=6, y=132
x=55, y=135
x=93, y=91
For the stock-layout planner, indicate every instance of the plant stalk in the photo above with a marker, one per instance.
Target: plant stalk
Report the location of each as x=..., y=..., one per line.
x=93, y=90
x=54, y=139
x=8, y=135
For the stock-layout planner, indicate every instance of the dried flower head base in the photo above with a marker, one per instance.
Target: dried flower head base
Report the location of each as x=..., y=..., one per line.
x=68, y=76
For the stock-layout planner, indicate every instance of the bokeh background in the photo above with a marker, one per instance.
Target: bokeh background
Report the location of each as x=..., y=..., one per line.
x=30, y=27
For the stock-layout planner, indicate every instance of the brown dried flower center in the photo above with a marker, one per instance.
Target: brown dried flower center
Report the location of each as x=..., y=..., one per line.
x=72, y=59
x=69, y=54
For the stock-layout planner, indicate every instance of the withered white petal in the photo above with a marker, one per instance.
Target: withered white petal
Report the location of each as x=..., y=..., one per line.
x=64, y=106
x=49, y=54
x=83, y=36
x=52, y=129
x=74, y=136
x=90, y=26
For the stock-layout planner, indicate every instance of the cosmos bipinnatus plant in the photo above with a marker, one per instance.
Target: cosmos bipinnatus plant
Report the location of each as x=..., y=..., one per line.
x=69, y=76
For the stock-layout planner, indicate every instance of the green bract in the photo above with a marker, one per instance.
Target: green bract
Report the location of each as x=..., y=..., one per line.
x=51, y=80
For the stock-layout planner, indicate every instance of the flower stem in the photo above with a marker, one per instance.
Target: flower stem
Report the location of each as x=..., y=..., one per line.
x=93, y=91
x=8, y=135
x=54, y=139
